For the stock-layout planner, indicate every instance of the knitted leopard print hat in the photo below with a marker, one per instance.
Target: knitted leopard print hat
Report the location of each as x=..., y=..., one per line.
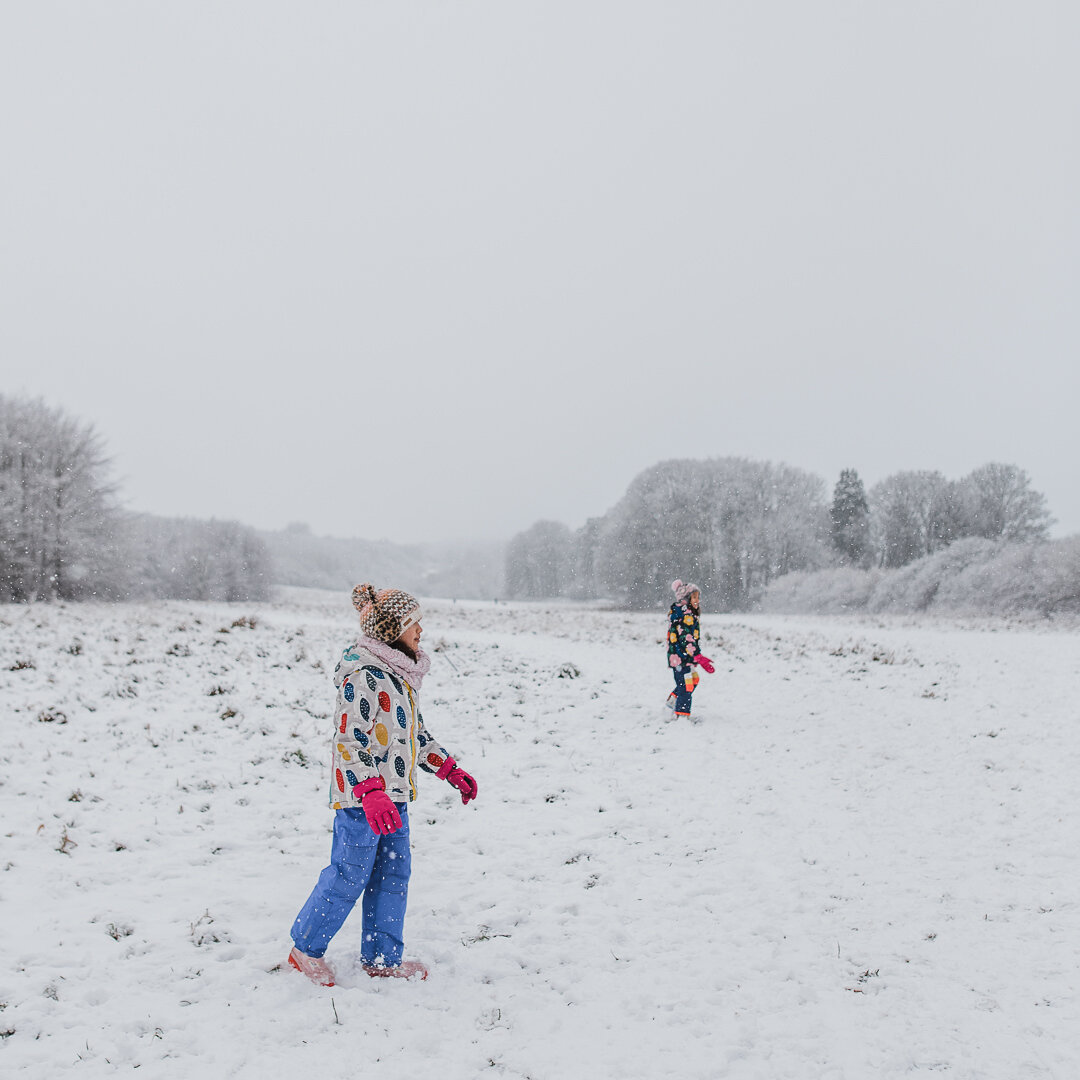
x=385, y=615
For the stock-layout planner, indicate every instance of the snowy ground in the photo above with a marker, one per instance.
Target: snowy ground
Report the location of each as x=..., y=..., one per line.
x=860, y=862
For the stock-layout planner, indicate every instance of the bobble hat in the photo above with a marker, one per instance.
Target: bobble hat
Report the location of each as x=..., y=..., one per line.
x=385, y=615
x=682, y=590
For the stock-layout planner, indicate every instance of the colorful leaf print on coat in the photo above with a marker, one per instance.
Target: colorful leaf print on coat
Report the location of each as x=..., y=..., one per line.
x=379, y=732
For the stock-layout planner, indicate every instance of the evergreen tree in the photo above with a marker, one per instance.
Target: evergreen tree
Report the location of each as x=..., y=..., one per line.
x=850, y=515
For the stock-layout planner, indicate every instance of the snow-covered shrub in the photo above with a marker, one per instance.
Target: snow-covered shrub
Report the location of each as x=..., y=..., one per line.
x=1060, y=575
x=826, y=592
x=1043, y=578
x=1003, y=585
x=915, y=587
x=971, y=576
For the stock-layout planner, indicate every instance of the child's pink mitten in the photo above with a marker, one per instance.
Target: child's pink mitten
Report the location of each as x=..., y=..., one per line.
x=705, y=662
x=381, y=813
x=458, y=778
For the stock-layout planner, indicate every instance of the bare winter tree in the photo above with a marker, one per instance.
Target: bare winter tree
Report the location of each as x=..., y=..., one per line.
x=59, y=523
x=727, y=523
x=657, y=531
x=582, y=585
x=914, y=514
x=1001, y=505
x=539, y=562
x=785, y=527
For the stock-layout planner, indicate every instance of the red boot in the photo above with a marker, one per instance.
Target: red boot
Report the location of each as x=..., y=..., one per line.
x=314, y=967
x=410, y=969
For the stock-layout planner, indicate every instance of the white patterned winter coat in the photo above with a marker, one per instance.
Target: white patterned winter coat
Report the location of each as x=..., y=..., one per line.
x=380, y=731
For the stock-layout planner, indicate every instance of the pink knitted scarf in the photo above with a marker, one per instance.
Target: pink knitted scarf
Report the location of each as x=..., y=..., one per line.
x=412, y=671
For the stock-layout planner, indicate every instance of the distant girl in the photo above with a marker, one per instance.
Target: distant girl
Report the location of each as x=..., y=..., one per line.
x=379, y=739
x=684, y=632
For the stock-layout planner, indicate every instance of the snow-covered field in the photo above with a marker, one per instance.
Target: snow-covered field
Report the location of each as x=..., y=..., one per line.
x=861, y=861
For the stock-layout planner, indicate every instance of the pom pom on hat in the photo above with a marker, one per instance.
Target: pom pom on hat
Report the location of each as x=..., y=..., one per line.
x=385, y=615
x=683, y=589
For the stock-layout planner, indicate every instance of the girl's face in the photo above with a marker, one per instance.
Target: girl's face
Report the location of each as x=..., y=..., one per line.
x=411, y=637
x=695, y=600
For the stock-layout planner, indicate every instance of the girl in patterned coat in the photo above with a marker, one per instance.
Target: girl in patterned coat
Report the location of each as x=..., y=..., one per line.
x=379, y=740
x=684, y=631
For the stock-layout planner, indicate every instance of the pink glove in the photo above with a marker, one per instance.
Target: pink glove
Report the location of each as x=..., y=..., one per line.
x=704, y=662
x=458, y=778
x=381, y=813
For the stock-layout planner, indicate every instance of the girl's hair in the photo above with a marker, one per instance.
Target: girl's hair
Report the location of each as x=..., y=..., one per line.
x=401, y=647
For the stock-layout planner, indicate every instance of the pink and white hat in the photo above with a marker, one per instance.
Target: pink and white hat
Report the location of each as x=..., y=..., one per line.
x=683, y=589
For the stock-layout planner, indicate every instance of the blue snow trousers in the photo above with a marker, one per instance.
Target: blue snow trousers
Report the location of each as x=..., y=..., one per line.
x=378, y=867
x=684, y=687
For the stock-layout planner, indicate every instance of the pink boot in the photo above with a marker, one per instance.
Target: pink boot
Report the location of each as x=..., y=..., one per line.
x=314, y=967
x=409, y=969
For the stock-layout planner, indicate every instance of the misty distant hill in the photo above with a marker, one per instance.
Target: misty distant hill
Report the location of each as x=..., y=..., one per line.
x=469, y=571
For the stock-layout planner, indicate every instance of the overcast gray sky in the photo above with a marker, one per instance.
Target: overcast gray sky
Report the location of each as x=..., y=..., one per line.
x=429, y=271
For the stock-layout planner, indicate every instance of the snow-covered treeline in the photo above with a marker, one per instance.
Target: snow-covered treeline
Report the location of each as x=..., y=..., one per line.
x=974, y=576
x=737, y=527
x=64, y=536
x=733, y=523
x=192, y=559
x=913, y=514
x=462, y=570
